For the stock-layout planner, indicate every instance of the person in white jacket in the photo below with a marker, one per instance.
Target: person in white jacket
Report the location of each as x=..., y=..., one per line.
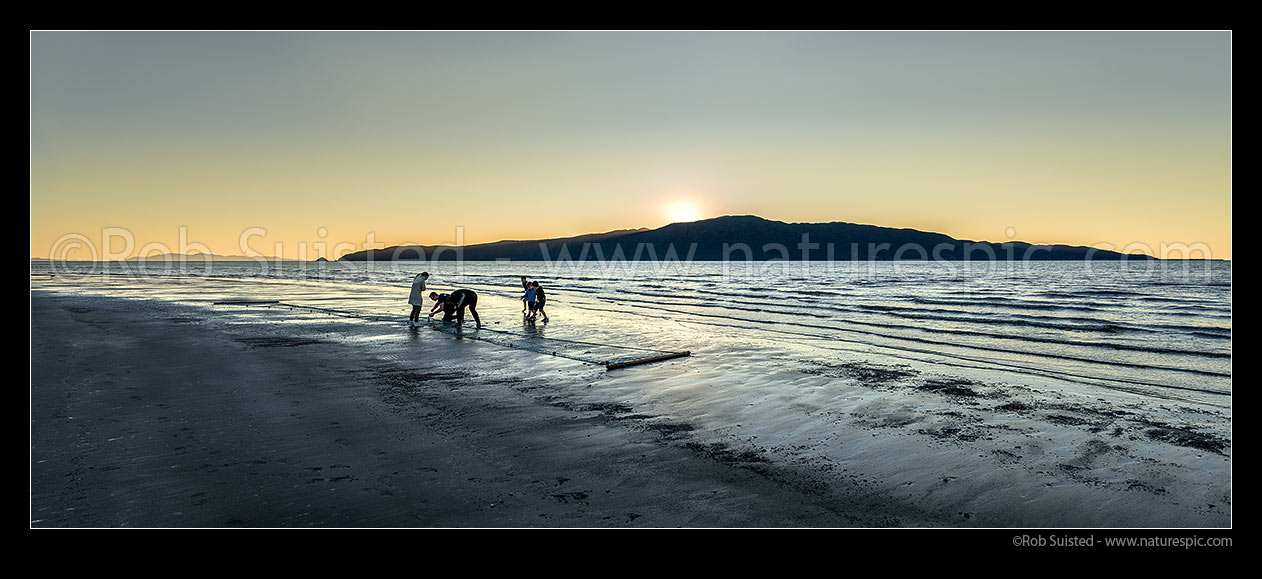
x=417, y=297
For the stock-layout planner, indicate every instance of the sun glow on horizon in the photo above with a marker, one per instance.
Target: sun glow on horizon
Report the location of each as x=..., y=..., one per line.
x=683, y=212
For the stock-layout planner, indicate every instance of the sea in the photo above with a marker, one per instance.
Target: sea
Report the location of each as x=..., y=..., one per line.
x=1160, y=329
x=1107, y=367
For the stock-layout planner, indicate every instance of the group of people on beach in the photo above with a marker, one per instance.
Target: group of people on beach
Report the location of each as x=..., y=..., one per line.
x=533, y=300
x=453, y=304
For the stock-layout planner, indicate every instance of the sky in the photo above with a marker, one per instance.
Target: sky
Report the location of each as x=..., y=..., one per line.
x=315, y=144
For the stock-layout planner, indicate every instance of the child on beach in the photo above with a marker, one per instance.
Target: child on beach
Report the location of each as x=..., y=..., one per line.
x=528, y=299
x=540, y=299
x=525, y=285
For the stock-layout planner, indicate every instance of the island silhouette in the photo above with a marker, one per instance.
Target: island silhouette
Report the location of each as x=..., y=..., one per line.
x=747, y=238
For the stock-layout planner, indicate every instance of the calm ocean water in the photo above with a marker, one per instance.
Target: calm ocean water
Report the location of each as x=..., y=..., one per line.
x=1052, y=393
x=1159, y=329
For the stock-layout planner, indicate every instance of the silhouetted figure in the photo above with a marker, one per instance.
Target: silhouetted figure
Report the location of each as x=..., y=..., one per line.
x=540, y=300
x=453, y=305
x=417, y=297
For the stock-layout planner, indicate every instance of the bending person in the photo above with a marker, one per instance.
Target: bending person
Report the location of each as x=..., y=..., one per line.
x=453, y=304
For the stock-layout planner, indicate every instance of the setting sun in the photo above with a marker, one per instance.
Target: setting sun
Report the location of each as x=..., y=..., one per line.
x=683, y=211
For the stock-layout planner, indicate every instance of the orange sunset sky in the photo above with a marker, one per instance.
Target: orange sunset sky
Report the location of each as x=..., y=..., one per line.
x=313, y=144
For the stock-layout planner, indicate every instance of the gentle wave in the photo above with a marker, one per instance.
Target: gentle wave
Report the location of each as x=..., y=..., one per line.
x=1100, y=324
x=930, y=342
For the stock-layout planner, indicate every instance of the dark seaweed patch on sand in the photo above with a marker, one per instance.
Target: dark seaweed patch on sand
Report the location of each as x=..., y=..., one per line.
x=1081, y=466
x=725, y=454
x=612, y=410
x=578, y=497
x=950, y=386
x=622, y=413
x=1188, y=437
x=1138, y=485
x=871, y=375
x=635, y=417
x=897, y=420
x=1007, y=456
x=408, y=379
x=1067, y=420
x=669, y=429
x=279, y=342
x=951, y=433
x=1017, y=407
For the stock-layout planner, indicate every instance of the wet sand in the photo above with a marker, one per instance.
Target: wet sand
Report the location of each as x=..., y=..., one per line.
x=147, y=413
x=142, y=416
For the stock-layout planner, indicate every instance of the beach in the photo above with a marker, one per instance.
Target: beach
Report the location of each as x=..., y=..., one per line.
x=160, y=413
x=142, y=417
x=940, y=282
